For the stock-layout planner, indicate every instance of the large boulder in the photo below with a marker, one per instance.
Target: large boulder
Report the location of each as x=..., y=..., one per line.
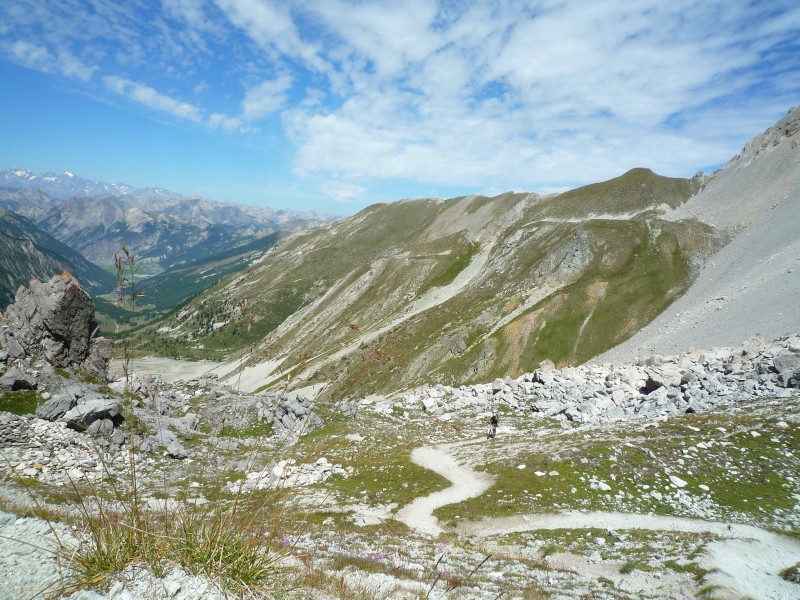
x=54, y=321
x=787, y=364
x=91, y=409
x=15, y=379
x=293, y=416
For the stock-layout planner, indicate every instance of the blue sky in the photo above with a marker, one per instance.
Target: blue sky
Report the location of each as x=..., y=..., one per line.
x=335, y=104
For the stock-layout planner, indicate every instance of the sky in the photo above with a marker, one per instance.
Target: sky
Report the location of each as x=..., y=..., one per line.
x=332, y=105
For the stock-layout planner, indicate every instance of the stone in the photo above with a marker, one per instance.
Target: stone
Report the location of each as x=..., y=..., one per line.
x=14, y=379
x=53, y=321
x=677, y=481
x=430, y=404
x=100, y=427
x=787, y=364
x=87, y=411
x=56, y=407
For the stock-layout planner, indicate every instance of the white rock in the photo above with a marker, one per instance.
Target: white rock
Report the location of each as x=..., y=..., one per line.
x=677, y=481
x=75, y=474
x=520, y=467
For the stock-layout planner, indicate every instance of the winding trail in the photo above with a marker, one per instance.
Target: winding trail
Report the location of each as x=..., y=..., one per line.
x=466, y=484
x=746, y=561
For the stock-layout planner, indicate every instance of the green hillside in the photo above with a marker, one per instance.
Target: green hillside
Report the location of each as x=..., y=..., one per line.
x=452, y=291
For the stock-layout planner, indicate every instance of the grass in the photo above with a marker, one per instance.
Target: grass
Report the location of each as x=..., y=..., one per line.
x=229, y=546
x=22, y=402
x=635, y=463
x=791, y=573
x=632, y=270
x=629, y=566
x=380, y=462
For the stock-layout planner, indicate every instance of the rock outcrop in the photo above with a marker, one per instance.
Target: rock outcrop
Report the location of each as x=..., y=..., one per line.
x=653, y=387
x=54, y=321
x=293, y=416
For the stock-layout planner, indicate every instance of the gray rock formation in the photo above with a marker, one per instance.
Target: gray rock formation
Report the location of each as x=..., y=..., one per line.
x=293, y=416
x=16, y=379
x=54, y=321
x=166, y=439
x=91, y=409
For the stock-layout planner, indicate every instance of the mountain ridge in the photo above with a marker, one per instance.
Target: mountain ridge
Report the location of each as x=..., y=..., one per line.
x=164, y=230
x=27, y=252
x=448, y=290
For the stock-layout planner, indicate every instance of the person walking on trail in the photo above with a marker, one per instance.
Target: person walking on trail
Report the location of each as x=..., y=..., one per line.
x=493, y=426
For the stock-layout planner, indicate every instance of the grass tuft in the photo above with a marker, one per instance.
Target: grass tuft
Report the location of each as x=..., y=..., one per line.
x=791, y=573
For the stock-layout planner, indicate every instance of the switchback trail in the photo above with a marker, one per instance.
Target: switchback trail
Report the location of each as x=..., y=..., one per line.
x=746, y=561
x=466, y=484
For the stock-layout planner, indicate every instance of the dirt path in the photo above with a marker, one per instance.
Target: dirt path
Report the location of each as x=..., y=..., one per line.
x=746, y=562
x=466, y=484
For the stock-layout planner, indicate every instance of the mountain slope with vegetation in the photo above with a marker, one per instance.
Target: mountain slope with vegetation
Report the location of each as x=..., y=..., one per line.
x=27, y=252
x=451, y=291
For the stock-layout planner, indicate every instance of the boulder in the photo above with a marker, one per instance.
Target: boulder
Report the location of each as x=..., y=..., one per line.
x=101, y=427
x=167, y=440
x=293, y=416
x=89, y=410
x=54, y=321
x=787, y=364
x=56, y=407
x=15, y=379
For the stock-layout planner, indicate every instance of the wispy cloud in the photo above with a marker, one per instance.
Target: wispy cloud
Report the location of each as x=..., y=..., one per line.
x=342, y=192
x=266, y=97
x=151, y=98
x=41, y=59
x=518, y=94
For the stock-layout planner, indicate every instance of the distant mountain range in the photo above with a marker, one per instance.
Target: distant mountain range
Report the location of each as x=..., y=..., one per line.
x=68, y=184
x=163, y=229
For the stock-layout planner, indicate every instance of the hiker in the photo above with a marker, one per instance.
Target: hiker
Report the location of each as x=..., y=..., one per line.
x=493, y=426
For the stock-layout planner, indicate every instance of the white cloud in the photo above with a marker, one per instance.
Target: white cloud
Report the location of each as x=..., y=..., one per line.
x=224, y=122
x=151, y=98
x=192, y=12
x=270, y=25
x=535, y=96
x=32, y=56
x=72, y=67
x=529, y=94
x=342, y=191
x=265, y=98
x=40, y=58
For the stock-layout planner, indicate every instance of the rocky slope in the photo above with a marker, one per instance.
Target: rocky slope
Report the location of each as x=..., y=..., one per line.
x=705, y=441
x=752, y=284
